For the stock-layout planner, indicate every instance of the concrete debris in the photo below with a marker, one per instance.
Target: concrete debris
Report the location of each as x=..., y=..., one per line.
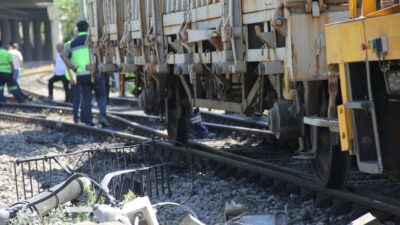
x=105, y=213
x=190, y=220
x=140, y=209
x=367, y=219
x=4, y=216
x=232, y=209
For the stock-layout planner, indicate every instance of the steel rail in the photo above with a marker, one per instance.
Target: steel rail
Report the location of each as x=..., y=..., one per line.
x=384, y=204
x=114, y=100
x=60, y=124
x=118, y=117
x=242, y=121
x=133, y=102
x=126, y=101
x=271, y=170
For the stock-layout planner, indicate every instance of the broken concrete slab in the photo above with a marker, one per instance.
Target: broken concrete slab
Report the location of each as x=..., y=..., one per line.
x=106, y=213
x=140, y=208
x=367, y=219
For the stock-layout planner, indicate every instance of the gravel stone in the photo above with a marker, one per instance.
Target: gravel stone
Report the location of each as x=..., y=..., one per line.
x=24, y=140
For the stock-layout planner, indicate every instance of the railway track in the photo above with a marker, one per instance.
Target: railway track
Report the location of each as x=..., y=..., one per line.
x=141, y=121
x=292, y=177
x=211, y=118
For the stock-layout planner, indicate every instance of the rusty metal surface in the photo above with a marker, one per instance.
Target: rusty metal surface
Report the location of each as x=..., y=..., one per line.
x=212, y=41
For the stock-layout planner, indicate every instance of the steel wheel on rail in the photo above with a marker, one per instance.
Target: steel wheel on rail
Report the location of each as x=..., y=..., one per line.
x=331, y=166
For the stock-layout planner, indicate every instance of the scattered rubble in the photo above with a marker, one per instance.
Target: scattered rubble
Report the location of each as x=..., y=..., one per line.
x=213, y=200
x=209, y=194
x=24, y=140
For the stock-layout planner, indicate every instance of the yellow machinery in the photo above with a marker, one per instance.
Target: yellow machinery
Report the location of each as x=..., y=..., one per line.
x=363, y=58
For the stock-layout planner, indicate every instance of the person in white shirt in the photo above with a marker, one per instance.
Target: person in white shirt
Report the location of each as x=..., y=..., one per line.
x=59, y=74
x=17, y=60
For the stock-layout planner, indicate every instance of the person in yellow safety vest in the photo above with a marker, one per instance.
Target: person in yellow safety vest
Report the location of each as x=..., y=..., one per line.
x=6, y=76
x=75, y=90
x=77, y=58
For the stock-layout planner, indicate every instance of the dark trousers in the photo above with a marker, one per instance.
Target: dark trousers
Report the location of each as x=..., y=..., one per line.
x=64, y=80
x=87, y=88
x=107, y=84
x=7, y=78
x=76, y=101
x=197, y=125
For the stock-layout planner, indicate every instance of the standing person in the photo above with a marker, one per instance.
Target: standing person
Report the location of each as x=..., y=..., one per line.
x=77, y=57
x=59, y=74
x=6, y=75
x=17, y=61
x=75, y=90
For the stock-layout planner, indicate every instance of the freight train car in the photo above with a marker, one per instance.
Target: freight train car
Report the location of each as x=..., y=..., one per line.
x=240, y=56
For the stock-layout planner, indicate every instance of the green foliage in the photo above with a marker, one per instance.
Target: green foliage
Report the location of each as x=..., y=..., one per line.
x=128, y=197
x=130, y=87
x=59, y=216
x=25, y=216
x=130, y=75
x=70, y=12
x=91, y=195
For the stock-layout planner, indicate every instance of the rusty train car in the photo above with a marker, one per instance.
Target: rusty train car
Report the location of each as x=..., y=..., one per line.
x=242, y=56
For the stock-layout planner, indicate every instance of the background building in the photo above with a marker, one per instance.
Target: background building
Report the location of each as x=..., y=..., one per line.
x=33, y=24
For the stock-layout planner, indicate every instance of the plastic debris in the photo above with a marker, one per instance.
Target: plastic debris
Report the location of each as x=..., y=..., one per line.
x=367, y=219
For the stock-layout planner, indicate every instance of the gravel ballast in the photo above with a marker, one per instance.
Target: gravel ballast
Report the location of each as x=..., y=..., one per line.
x=24, y=140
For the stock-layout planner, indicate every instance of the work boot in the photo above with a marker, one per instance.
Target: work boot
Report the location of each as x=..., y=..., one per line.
x=17, y=96
x=90, y=124
x=105, y=124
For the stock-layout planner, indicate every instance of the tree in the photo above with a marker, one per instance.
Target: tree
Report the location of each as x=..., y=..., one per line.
x=70, y=12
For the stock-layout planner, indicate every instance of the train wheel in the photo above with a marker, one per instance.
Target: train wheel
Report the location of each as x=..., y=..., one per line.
x=177, y=107
x=331, y=165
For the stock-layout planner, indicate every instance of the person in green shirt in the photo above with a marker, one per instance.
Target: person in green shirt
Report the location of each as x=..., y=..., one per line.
x=77, y=58
x=75, y=90
x=6, y=76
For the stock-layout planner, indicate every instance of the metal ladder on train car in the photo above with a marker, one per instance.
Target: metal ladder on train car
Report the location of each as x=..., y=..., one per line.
x=366, y=135
x=366, y=142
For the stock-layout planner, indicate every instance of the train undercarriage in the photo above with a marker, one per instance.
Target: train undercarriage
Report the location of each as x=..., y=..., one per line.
x=244, y=56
